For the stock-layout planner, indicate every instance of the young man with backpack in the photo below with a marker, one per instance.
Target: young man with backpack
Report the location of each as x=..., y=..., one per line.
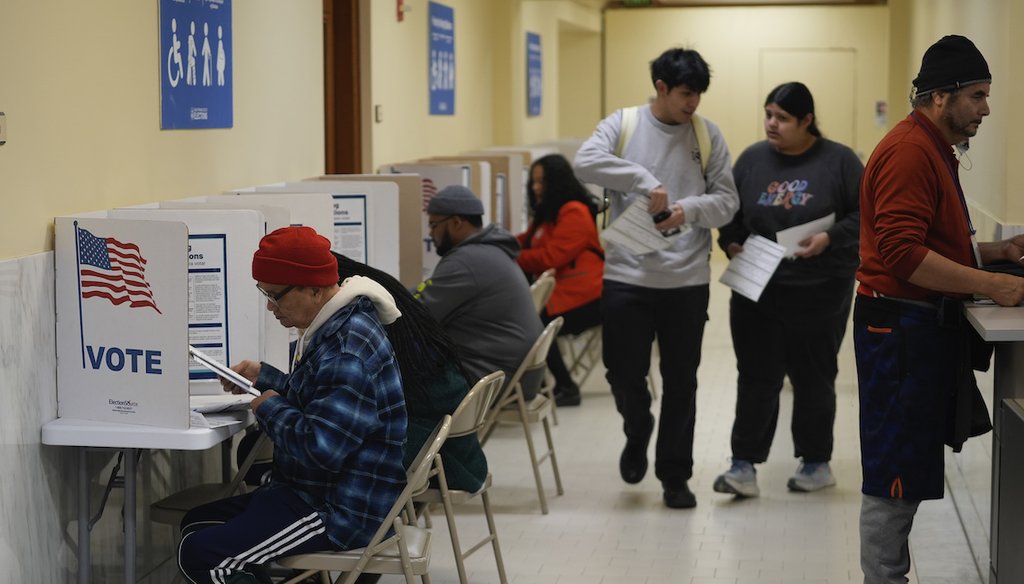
x=680, y=164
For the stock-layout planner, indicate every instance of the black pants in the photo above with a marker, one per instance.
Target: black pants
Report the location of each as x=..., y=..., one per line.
x=577, y=320
x=632, y=318
x=794, y=331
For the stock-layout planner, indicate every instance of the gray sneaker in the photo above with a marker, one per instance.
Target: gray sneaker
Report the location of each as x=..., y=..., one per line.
x=739, y=480
x=811, y=476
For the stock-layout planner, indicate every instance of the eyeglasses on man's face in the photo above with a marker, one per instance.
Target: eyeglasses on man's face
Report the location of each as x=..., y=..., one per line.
x=434, y=224
x=275, y=297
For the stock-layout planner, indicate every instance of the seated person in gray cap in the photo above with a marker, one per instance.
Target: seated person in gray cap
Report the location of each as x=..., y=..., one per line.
x=477, y=291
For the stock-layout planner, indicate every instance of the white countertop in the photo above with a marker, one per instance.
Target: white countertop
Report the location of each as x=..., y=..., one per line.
x=996, y=323
x=75, y=432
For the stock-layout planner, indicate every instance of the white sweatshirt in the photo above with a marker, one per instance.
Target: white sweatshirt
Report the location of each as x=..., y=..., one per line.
x=666, y=155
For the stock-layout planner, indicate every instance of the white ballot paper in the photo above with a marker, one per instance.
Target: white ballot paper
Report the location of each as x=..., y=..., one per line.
x=749, y=271
x=212, y=404
x=222, y=370
x=634, y=230
x=791, y=238
x=201, y=420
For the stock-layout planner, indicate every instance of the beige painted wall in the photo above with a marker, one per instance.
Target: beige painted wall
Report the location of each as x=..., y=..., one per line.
x=994, y=171
x=80, y=87
x=398, y=59
x=570, y=66
x=490, y=85
x=579, y=83
x=731, y=40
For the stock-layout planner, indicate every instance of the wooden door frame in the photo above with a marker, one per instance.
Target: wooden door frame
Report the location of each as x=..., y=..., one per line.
x=342, y=104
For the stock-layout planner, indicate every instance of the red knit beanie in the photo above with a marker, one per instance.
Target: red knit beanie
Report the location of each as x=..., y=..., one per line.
x=296, y=256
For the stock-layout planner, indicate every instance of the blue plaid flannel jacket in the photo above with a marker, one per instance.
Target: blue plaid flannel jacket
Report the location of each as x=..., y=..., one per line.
x=339, y=425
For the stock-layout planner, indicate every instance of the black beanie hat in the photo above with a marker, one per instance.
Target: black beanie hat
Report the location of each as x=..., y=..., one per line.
x=952, y=62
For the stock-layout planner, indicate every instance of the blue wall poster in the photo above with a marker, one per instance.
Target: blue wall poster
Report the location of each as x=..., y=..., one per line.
x=534, y=79
x=441, y=35
x=195, y=64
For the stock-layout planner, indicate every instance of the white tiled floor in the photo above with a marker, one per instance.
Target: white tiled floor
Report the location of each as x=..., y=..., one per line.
x=605, y=531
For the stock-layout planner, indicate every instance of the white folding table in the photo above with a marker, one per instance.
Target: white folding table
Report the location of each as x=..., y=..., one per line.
x=129, y=438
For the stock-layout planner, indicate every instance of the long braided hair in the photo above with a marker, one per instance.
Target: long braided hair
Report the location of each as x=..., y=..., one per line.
x=421, y=346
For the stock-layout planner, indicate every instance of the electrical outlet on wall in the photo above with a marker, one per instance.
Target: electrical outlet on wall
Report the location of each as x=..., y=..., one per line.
x=3, y=129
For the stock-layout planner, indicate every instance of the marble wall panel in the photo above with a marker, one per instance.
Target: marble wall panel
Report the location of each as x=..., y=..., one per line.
x=38, y=483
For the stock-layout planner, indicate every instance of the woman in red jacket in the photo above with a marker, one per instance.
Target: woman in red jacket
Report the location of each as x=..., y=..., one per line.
x=563, y=236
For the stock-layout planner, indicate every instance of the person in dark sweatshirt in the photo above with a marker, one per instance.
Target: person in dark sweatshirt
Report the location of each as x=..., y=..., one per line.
x=477, y=291
x=797, y=325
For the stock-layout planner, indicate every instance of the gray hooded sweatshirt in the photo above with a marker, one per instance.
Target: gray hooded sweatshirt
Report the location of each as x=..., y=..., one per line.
x=482, y=299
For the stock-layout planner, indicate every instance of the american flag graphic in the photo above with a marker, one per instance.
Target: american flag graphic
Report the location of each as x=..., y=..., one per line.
x=113, y=270
x=429, y=190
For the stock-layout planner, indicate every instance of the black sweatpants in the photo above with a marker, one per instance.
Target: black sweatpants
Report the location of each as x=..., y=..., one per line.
x=791, y=331
x=225, y=540
x=632, y=318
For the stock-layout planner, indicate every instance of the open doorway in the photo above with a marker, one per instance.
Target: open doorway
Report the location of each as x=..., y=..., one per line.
x=342, y=127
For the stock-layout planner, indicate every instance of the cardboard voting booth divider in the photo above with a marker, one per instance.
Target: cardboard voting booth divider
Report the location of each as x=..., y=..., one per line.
x=274, y=338
x=410, y=212
x=435, y=176
x=363, y=216
x=505, y=174
x=518, y=180
x=530, y=154
x=225, y=311
x=122, y=334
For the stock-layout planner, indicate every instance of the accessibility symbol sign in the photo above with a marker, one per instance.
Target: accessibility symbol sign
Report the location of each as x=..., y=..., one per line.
x=195, y=64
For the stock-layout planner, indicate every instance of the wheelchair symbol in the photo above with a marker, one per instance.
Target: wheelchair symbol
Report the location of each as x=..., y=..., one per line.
x=174, y=56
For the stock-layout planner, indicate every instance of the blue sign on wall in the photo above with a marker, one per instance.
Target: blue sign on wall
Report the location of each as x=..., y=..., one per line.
x=534, y=79
x=441, y=33
x=195, y=64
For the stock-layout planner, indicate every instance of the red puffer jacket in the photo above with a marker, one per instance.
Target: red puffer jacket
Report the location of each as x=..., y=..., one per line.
x=572, y=248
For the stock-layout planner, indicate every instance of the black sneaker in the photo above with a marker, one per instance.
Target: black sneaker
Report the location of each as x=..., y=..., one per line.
x=679, y=497
x=567, y=395
x=633, y=462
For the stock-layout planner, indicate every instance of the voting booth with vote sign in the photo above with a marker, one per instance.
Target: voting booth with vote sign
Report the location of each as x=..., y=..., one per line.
x=135, y=287
x=410, y=211
x=122, y=335
x=435, y=177
x=225, y=313
x=363, y=216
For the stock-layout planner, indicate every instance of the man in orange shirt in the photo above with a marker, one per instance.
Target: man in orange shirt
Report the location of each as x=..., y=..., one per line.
x=919, y=260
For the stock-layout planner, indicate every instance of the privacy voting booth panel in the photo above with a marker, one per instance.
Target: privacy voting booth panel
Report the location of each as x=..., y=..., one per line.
x=481, y=183
x=122, y=333
x=410, y=211
x=225, y=312
x=274, y=338
x=363, y=217
x=274, y=217
x=518, y=178
x=435, y=177
x=530, y=154
x=313, y=210
x=500, y=167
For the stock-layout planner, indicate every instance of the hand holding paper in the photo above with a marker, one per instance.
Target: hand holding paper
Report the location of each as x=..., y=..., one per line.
x=792, y=238
x=635, y=230
x=813, y=245
x=749, y=271
x=223, y=371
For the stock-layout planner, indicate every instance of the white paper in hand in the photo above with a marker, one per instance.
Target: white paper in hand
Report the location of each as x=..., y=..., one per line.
x=634, y=230
x=749, y=271
x=222, y=370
